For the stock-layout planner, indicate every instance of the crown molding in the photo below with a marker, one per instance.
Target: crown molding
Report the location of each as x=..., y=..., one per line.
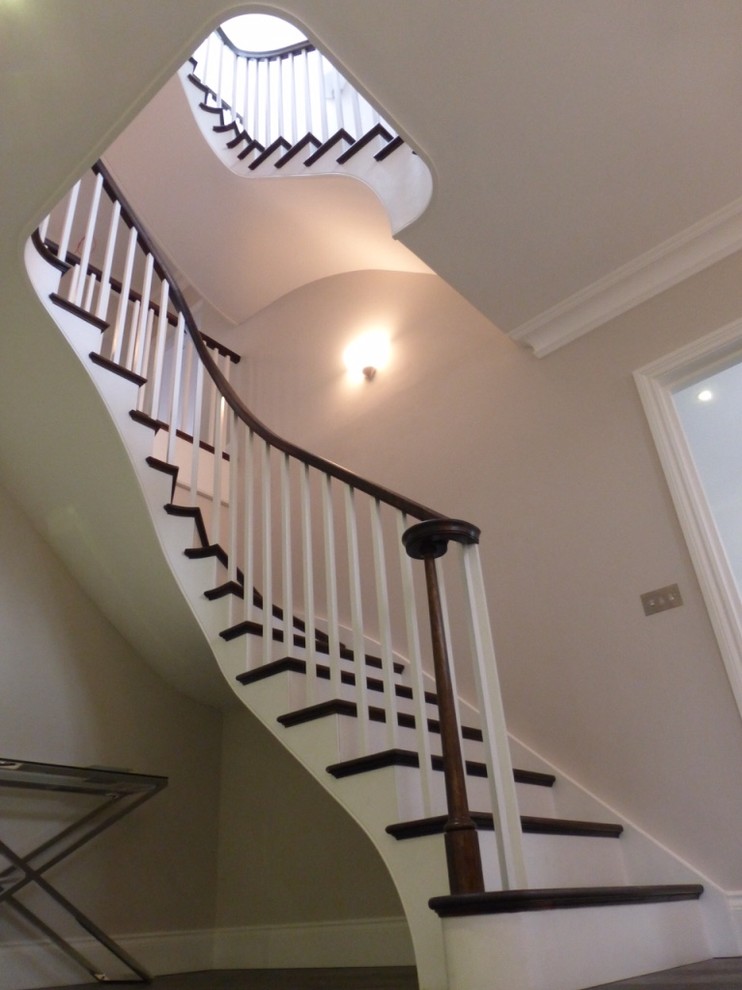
x=685, y=254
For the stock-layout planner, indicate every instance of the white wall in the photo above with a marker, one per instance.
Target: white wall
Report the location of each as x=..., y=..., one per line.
x=553, y=459
x=73, y=691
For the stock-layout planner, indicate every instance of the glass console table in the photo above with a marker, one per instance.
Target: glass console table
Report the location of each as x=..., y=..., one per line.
x=114, y=794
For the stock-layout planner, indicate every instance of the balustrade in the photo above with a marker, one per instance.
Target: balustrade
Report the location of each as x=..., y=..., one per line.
x=286, y=93
x=315, y=555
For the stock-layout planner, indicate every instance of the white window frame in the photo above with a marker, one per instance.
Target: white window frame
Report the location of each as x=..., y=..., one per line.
x=656, y=383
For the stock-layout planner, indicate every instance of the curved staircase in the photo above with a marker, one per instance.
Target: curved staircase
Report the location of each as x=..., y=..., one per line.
x=328, y=128
x=318, y=621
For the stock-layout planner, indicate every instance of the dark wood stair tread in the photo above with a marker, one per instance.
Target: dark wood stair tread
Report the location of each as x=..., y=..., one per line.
x=339, y=706
x=117, y=369
x=531, y=824
x=190, y=512
x=250, y=628
x=409, y=758
x=79, y=311
x=378, y=130
x=389, y=149
x=339, y=136
x=552, y=898
x=292, y=664
x=280, y=144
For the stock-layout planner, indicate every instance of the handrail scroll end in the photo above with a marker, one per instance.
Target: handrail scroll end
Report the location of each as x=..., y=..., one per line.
x=430, y=538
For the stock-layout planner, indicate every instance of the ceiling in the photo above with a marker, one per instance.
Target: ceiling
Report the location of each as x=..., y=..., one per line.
x=585, y=155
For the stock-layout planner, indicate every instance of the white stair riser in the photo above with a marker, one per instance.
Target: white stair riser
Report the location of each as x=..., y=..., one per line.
x=571, y=949
x=560, y=861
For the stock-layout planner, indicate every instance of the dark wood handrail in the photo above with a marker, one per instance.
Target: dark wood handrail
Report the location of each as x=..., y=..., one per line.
x=295, y=49
x=385, y=495
x=71, y=259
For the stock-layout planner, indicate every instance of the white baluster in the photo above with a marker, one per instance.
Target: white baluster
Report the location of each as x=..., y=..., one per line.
x=87, y=301
x=280, y=97
x=118, y=332
x=287, y=565
x=87, y=241
x=44, y=227
x=416, y=668
x=385, y=627
x=293, y=97
x=133, y=324
x=145, y=310
x=64, y=241
x=496, y=744
x=267, y=589
x=331, y=584
x=241, y=77
x=199, y=57
x=337, y=90
x=216, y=504
x=73, y=283
x=233, y=102
x=145, y=342
x=234, y=468
x=255, y=133
x=186, y=404
x=246, y=91
x=356, y=614
x=101, y=310
x=308, y=573
x=308, y=122
x=206, y=60
x=268, y=99
x=176, y=390
x=227, y=369
x=322, y=97
x=198, y=412
x=159, y=362
x=142, y=357
x=212, y=404
x=248, y=535
x=356, y=109
x=220, y=69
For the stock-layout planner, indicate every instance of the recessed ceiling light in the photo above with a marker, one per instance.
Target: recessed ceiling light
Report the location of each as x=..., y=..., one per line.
x=705, y=395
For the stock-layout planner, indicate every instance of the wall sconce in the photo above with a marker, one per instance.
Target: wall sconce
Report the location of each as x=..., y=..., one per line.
x=366, y=355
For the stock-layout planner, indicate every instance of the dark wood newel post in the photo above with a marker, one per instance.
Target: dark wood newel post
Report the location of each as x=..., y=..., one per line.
x=427, y=541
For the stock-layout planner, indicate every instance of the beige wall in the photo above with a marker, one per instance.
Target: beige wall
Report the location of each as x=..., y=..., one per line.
x=239, y=818
x=553, y=459
x=73, y=691
x=289, y=853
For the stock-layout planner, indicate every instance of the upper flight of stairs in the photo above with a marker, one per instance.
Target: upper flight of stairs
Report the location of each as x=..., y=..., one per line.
x=584, y=918
x=380, y=159
x=304, y=153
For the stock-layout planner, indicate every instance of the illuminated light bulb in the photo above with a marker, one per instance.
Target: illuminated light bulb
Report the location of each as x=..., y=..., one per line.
x=705, y=395
x=367, y=354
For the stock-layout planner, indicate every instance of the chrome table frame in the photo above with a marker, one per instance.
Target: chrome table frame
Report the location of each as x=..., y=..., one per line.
x=120, y=792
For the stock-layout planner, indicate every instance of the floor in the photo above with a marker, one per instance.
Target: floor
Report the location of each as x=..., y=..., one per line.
x=717, y=974
x=386, y=978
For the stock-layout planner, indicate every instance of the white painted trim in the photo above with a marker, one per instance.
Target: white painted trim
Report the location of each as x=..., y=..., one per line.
x=687, y=253
x=324, y=944
x=655, y=383
x=26, y=964
x=734, y=899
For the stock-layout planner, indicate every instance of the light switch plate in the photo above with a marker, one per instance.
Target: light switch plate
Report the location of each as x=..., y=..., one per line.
x=661, y=599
